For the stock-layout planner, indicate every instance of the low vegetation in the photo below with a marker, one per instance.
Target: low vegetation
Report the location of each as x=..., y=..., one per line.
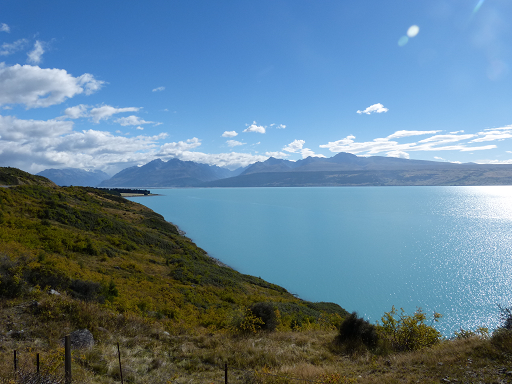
x=80, y=258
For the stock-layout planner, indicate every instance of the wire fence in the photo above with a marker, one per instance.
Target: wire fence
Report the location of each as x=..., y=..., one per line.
x=48, y=374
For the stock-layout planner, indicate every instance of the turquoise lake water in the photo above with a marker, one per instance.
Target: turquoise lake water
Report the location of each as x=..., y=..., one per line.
x=445, y=249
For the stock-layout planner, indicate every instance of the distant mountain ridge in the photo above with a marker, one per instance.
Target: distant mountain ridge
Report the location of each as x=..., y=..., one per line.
x=345, y=169
x=173, y=173
x=74, y=176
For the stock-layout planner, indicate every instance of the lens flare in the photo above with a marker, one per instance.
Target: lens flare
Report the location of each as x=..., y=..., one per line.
x=480, y=3
x=413, y=30
x=402, y=41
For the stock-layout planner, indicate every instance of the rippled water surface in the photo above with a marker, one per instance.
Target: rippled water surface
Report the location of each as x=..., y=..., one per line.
x=447, y=249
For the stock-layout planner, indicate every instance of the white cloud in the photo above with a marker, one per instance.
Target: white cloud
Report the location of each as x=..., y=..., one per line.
x=281, y=126
x=385, y=145
x=277, y=155
x=405, y=133
x=234, y=143
x=399, y=154
x=295, y=146
x=76, y=112
x=140, y=128
x=306, y=152
x=132, y=120
x=90, y=84
x=493, y=134
x=35, y=87
x=229, y=134
x=375, y=108
x=454, y=133
x=255, y=128
x=444, y=139
x=4, y=28
x=159, y=89
x=439, y=158
x=10, y=48
x=35, y=56
x=106, y=111
x=175, y=149
x=16, y=130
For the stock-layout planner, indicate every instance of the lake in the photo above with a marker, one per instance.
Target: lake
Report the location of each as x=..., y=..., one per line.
x=444, y=249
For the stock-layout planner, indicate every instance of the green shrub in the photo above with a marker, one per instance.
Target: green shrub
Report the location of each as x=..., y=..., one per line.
x=355, y=333
x=409, y=332
x=267, y=313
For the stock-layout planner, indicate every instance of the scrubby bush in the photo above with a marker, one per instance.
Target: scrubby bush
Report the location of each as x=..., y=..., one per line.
x=267, y=313
x=409, y=332
x=356, y=334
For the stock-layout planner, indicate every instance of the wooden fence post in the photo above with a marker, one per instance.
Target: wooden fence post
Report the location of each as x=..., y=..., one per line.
x=67, y=359
x=37, y=363
x=120, y=368
x=226, y=373
x=15, y=363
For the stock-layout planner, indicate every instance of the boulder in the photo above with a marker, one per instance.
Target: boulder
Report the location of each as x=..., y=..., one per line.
x=80, y=339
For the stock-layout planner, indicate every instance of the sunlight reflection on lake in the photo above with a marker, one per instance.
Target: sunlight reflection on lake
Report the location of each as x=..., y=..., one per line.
x=445, y=249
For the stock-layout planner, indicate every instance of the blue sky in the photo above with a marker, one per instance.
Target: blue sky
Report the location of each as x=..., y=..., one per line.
x=111, y=84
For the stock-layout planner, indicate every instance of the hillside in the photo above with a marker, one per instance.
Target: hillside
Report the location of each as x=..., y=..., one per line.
x=80, y=258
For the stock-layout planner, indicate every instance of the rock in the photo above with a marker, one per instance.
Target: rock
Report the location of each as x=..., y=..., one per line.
x=54, y=292
x=80, y=339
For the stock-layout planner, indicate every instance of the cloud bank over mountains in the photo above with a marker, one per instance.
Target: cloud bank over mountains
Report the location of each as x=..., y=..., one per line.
x=52, y=117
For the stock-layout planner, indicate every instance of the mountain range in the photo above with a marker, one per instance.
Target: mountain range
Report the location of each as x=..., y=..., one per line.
x=74, y=176
x=343, y=169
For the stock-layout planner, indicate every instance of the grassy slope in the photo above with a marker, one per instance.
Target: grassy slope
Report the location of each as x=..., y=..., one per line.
x=130, y=277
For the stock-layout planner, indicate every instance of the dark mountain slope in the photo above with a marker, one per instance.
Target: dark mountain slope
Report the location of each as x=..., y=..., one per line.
x=173, y=173
x=74, y=176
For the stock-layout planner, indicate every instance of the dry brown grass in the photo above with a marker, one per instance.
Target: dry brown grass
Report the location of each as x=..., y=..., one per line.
x=271, y=358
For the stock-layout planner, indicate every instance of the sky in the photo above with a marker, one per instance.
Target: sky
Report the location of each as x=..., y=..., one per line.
x=111, y=84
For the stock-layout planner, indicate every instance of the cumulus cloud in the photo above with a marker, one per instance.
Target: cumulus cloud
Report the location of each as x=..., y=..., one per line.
x=295, y=146
x=132, y=120
x=306, y=152
x=35, y=87
x=36, y=54
x=4, y=28
x=229, y=134
x=277, y=155
x=399, y=154
x=10, y=48
x=16, y=130
x=106, y=111
x=76, y=112
x=231, y=160
x=375, y=108
x=234, y=143
x=158, y=89
x=255, y=128
x=175, y=149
